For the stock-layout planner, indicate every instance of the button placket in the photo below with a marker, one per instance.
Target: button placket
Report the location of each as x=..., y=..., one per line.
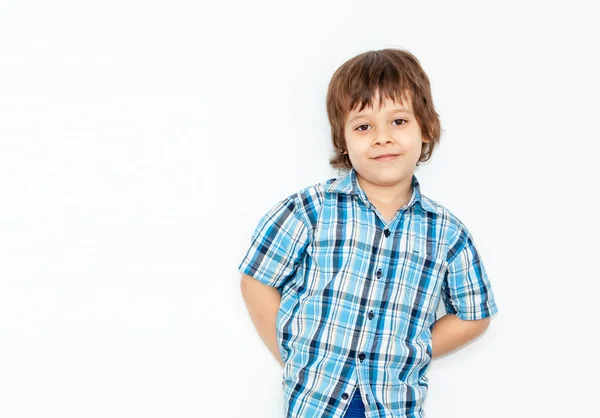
x=371, y=314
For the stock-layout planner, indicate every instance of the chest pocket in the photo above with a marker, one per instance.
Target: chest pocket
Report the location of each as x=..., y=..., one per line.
x=419, y=278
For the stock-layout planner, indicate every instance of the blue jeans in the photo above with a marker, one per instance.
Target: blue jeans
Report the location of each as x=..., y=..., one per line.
x=356, y=409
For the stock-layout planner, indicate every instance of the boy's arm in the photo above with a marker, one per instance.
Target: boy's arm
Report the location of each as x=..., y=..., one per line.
x=468, y=297
x=262, y=302
x=277, y=248
x=450, y=332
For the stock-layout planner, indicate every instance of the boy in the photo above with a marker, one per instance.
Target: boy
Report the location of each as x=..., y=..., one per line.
x=342, y=279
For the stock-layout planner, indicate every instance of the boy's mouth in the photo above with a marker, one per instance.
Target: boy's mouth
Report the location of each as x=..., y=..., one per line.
x=386, y=157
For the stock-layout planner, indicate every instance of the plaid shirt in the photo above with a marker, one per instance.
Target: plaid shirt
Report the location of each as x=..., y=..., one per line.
x=359, y=296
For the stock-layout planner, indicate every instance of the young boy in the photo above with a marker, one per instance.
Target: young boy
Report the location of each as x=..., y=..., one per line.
x=342, y=279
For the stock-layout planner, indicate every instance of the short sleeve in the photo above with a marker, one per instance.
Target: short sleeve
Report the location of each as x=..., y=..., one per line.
x=277, y=246
x=466, y=290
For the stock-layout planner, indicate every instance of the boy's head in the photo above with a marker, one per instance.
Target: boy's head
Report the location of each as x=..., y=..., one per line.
x=361, y=99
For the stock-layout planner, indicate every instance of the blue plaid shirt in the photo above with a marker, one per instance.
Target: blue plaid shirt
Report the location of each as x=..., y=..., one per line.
x=359, y=296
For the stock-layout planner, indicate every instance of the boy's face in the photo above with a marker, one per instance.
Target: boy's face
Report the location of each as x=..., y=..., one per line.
x=374, y=132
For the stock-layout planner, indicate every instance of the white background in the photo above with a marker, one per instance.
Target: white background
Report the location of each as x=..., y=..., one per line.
x=142, y=141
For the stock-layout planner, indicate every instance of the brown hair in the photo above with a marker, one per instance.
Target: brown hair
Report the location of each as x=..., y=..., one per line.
x=397, y=75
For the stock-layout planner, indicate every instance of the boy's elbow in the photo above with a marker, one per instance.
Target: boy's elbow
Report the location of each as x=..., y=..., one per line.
x=244, y=281
x=481, y=324
x=250, y=283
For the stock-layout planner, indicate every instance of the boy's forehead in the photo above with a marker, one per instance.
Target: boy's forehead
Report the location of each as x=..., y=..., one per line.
x=401, y=103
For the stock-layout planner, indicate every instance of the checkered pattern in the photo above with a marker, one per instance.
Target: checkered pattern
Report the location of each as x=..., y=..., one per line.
x=359, y=296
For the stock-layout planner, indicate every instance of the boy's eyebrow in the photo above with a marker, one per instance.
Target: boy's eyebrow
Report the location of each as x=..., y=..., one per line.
x=394, y=110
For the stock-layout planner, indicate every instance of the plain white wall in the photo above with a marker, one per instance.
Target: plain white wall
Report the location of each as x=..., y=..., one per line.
x=142, y=141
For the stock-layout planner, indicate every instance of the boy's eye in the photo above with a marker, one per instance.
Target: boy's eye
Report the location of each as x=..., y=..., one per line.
x=358, y=128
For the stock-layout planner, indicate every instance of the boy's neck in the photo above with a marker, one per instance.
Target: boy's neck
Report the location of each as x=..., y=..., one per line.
x=397, y=195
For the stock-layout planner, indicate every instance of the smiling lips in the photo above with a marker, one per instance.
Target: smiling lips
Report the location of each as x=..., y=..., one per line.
x=386, y=157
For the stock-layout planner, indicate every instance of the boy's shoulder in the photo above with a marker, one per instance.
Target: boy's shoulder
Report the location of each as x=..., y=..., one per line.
x=313, y=195
x=309, y=199
x=448, y=218
x=450, y=221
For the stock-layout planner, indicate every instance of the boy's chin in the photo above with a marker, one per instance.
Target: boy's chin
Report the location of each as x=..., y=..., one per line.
x=388, y=177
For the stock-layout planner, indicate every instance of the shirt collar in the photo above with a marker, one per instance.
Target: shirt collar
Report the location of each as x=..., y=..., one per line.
x=348, y=184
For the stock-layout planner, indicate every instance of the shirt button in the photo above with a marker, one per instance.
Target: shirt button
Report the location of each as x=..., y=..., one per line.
x=362, y=356
x=371, y=315
x=345, y=396
x=379, y=273
x=386, y=232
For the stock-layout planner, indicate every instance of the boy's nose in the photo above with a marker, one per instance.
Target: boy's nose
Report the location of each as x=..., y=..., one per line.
x=384, y=137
